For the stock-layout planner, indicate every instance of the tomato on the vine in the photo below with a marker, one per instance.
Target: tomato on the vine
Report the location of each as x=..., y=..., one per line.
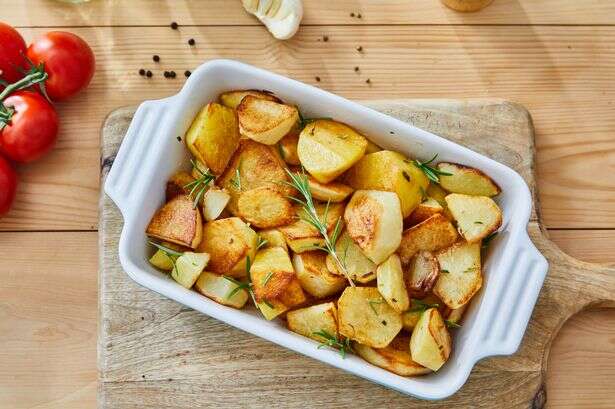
x=68, y=60
x=12, y=54
x=8, y=186
x=32, y=129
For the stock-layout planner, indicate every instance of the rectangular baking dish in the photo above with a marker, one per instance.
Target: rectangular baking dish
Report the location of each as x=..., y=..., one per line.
x=150, y=152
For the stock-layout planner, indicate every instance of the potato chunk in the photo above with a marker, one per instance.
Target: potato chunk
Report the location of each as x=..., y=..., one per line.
x=333, y=192
x=393, y=172
x=302, y=236
x=395, y=357
x=219, y=289
x=273, y=238
x=175, y=185
x=411, y=317
x=310, y=320
x=423, y=273
x=161, y=260
x=288, y=147
x=454, y=316
x=476, y=216
x=430, y=344
x=188, y=267
x=213, y=136
x=232, y=99
x=265, y=121
x=328, y=148
x=372, y=147
x=373, y=220
x=229, y=242
x=390, y=279
x=433, y=234
x=214, y=202
x=359, y=267
x=424, y=211
x=365, y=317
x=177, y=222
x=265, y=207
x=314, y=276
x=467, y=180
x=460, y=274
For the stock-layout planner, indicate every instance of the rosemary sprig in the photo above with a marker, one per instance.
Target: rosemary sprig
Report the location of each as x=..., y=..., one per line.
x=199, y=185
x=169, y=252
x=236, y=181
x=303, y=121
x=420, y=306
x=261, y=242
x=300, y=182
x=267, y=278
x=451, y=324
x=431, y=172
x=249, y=287
x=445, y=271
x=488, y=239
x=374, y=302
x=332, y=341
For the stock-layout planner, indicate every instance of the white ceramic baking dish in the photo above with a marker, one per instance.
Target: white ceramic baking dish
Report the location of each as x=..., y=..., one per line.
x=150, y=153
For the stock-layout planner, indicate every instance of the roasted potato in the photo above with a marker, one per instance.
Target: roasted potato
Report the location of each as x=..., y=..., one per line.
x=175, y=185
x=188, y=267
x=213, y=136
x=434, y=191
x=265, y=121
x=178, y=221
x=411, y=317
x=372, y=147
x=390, y=282
x=310, y=320
x=433, y=234
x=390, y=171
x=454, y=316
x=288, y=147
x=467, y=180
x=314, y=276
x=198, y=169
x=327, y=148
x=221, y=290
x=333, y=192
x=215, y=200
x=373, y=221
x=302, y=236
x=365, y=317
x=460, y=274
x=229, y=242
x=423, y=272
x=430, y=343
x=424, y=211
x=395, y=357
x=476, y=216
x=359, y=267
x=232, y=99
x=265, y=207
x=161, y=260
x=273, y=238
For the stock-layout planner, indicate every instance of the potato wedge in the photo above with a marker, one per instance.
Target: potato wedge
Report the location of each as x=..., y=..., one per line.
x=188, y=267
x=265, y=121
x=393, y=172
x=219, y=289
x=328, y=148
x=229, y=242
x=213, y=136
x=214, y=202
x=372, y=147
x=232, y=99
x=273, y=238
x=177, y=222
x=423, y=273
x=476, y=216
x=433, y=234
x=288, y=147
x=395, y=357
x=430, y=343
x=434, y=191
x=411, y=317
x=467, y=180
x=161, y=260
x=315, y=278
x=333, y=192
x=374, y=221
x=175, y=185
x=365, y=317
x=424, y=211
x=310, y=320
x=460, y=274
x=361, y=269
x=454, y=316
x=302, y=236
x=199, y=169
x=265, y=207
x=390, y=279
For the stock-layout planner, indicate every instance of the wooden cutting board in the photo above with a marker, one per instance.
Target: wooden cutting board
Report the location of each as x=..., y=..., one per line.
x=156, y=353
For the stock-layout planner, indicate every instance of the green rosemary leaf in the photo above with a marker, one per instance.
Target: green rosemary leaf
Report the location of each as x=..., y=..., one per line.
x=488, y=240
x=431, y=172
x=332, y=341
x=451, y=324
x=374, y=302
x=267, y=278
x=420, y=306
x=166, y=250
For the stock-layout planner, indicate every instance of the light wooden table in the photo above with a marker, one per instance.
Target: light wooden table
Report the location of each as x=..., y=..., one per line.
x=557, y=57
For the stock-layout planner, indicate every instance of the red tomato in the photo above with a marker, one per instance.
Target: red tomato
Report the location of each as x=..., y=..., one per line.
x=68, y=60
x=8, y=186
x=33, y=128
x=12, y=53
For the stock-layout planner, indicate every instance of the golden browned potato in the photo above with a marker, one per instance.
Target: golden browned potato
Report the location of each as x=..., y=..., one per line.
x=265, y=207
x=328, y=148
x=229, y=242
x=433, y=234
x=288, y=147
x=221, y=290
x=314, y=276
x=213, y=136
x=395, y=357
x=430, y=344
x=232, y=99
x=373, y=221
x=434, y=191
x=424, y=211
x=372, y=147
x=393, y=172
x=265, y=121
x=411, y=317
x=175, y=185
x=177, y=222
x=467, y=180
x=364, y=316
x=460, y=274
x=199, y=169
x=273, y=238
x=390, y=279
x=311, y=320
x=359, y=267
x=333, y=192
x=214, y=202
x=188, y=267
x=302, y=236
x=454, y=316
x=423, y=272
x=476, y=216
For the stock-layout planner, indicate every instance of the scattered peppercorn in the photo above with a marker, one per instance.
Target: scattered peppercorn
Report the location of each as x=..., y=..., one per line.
x=187, y=73
x=356, y=69
x=368, y=81
x=392, y=133
x=179, y=138
x=172, y=74
x=359, y=15
x=351, y=14
x=360, y=48
x=149, y=74
x=141, y=72
x=317, y=79
x=166, y=74
x=156, y=58
x=325, y=38
x=174, y=25
x=191, y=41
x=384, y=322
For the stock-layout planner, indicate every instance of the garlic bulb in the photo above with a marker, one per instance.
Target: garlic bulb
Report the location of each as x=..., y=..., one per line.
x=281, y=17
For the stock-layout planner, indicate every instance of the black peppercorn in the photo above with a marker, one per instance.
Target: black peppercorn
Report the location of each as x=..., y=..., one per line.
x=172, y=74
x=179, y=138
x=174, y=25
x=187, y=73
x=142, y=72
x=325, y=38
x=317, y=78
x=368, y=81
x=351, y=14
x=191, y=41
x=156, y=58
x=359, y=48
x=359, y=15
x=166, y=74
x=149, y=74
x=356, y=69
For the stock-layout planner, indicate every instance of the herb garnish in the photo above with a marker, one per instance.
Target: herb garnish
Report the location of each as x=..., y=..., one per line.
x=488, y=239
x=445, y=271
x=261, y=242
x=478, y=222
x=431, y=172
x=236, y=181
x=267, y=278
x=199, y=185
x=245, y=286
x=469, y=270
x=451, y=324
x=303, y=122
x=332, y=341
x=420, y=306
x=169, y=252
x=376, y=302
